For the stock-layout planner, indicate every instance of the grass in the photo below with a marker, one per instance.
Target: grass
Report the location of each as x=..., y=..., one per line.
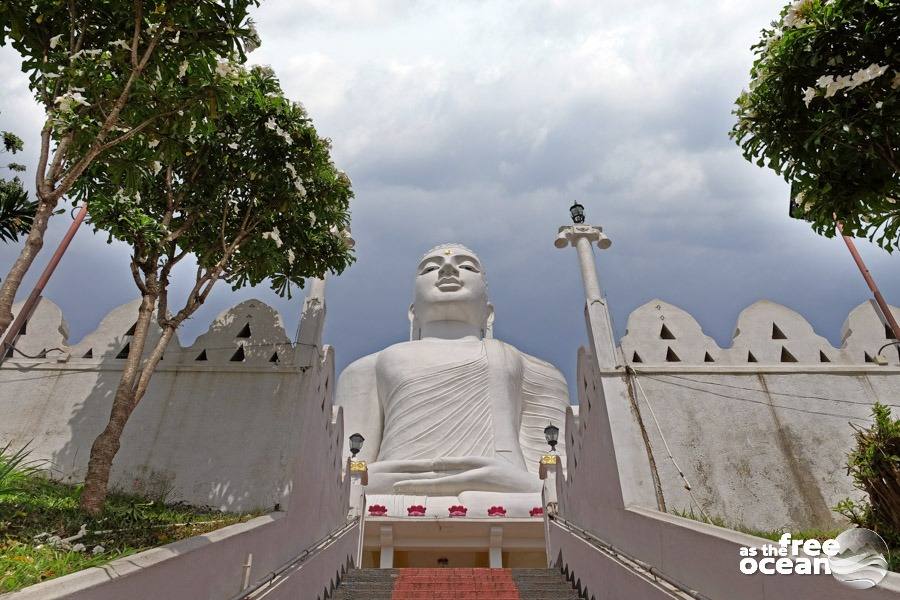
x=775, y=534
x=31, y=505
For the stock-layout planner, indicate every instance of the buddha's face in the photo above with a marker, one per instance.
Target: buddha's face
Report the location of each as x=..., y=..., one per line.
x=450, y=286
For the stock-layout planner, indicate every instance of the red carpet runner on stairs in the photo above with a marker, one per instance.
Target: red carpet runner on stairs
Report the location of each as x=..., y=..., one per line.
x=456, y=584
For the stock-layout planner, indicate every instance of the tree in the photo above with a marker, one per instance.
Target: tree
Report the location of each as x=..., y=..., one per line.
x=104, y=70
x=248, y=189
x=16, y=210
x=874, y=465
x=823, y=111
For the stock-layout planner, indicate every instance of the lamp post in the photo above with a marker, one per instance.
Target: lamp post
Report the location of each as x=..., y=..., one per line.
x=548, y=469
x=359, y=475
x=581, y=236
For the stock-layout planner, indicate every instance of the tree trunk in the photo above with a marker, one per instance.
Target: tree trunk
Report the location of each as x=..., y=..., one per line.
x=105, y=447
x=104, y=450
x=33, y=244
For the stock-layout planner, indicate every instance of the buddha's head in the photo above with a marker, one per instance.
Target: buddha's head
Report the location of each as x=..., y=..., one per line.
x=451, y=287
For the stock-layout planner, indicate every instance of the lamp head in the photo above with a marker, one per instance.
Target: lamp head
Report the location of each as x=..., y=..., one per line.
x=551, y=434
x=356, y=443
x=577, y=212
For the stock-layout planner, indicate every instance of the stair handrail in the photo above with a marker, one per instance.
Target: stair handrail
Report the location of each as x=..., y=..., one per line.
x=308, y=553
x=623, y=556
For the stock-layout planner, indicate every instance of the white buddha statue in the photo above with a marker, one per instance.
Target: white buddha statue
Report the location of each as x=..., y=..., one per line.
x=453, y=413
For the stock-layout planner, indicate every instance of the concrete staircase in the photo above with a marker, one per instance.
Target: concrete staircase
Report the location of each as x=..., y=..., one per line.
x=455, y=584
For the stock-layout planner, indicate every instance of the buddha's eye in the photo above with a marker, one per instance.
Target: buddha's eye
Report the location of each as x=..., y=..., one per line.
x=469, y=268
x=429, y=269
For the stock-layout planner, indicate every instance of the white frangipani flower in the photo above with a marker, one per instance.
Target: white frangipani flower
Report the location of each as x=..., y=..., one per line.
x=233, y=145
x=793, y=18
x=121, y=44
x=182, y=69
x=275, y=236
x=157, y=167
x=808, y=95
x=290, y=257
x=54, y=41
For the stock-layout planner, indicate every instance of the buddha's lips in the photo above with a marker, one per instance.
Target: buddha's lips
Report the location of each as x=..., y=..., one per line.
x=451, y=282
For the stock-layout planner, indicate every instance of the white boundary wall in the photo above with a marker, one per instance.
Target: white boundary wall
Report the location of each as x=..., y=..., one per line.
x=211, y=430
x=612, y=493
x=293, y=439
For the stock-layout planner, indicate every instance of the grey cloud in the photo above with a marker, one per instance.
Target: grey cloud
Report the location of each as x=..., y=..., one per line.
x=480, y=122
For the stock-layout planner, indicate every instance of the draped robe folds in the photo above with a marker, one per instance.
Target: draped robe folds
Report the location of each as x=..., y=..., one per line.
x=439, y=410
x=466, y=398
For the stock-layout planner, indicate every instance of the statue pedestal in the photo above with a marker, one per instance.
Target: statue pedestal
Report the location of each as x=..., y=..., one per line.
x=437, y=539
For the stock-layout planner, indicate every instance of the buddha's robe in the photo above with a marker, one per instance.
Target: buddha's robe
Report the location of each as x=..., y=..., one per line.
x=440, y=399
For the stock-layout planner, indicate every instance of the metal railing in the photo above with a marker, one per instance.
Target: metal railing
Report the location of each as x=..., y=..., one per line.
x=634, y=564
x=308, y=553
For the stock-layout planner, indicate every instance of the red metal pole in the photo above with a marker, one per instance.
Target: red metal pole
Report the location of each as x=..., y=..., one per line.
x=882, y=304
x=13, y=333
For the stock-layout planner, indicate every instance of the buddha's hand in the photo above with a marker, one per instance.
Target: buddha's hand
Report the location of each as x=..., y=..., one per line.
x=453, y=475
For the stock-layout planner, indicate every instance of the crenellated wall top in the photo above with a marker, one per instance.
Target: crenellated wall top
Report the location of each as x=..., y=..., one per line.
x=249, y=334
x=766, y=333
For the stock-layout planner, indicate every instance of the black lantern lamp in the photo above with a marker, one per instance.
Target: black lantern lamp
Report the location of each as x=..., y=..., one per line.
x=551, y=433
x=356, y=443
x=577, y=212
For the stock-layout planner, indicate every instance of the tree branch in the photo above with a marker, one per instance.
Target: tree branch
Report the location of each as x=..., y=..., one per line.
x=136, y=38
x=40, y=173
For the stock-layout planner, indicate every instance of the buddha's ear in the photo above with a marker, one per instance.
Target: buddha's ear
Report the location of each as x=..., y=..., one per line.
x=489, y=322
x=414, y=333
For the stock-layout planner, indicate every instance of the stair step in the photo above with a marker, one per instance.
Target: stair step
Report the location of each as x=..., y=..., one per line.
x=454, y=584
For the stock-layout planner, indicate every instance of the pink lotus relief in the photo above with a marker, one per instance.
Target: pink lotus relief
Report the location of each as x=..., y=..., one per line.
x=377, y=510
x=537, y=511
x=416, y=510
x=458, y=510
x=496, y=511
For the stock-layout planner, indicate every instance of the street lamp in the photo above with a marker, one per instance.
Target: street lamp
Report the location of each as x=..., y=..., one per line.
x=356, y=443
x=551, y=433
x=577, y=212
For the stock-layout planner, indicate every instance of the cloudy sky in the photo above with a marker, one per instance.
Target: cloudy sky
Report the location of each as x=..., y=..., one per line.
x=480, y=122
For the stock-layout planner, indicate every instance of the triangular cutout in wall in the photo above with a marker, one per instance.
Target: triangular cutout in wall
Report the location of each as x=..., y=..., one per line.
x=708, y=358
x=131, y=329
x=245, y=332
x=665, y=334
x=274, y=358
x=239, y=355
x=671, y=356
x=869, y=358
x=123, y=353
x=823, y=357
x=787, y=356
x=636, y=358
x=750, y=357
x=89, y=353
x=777, y=334
x=202, y=355
x=889, y=333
